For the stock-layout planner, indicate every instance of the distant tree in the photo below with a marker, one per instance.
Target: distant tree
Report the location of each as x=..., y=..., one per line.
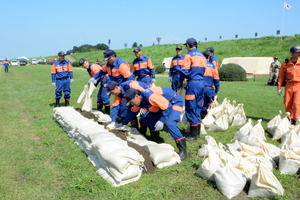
x=140, y=45
x=158, y=39
x=153, y=44
x=134, y=45
x=125, y=44
x=101, y=46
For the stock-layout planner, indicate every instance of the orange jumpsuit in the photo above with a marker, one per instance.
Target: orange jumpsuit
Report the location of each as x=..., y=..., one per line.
x=290, y=72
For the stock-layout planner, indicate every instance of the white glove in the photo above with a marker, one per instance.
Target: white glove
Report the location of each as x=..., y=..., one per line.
x=111, y=126
x=153, y=80
x=142, y=111
x=279, y=92
x=71, y=80
x=92, y=80
x=54, y=84
x=158, y=126
x=170, y=79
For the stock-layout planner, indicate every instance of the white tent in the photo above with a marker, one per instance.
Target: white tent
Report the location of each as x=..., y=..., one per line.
x=167, y=62
x=252, y=65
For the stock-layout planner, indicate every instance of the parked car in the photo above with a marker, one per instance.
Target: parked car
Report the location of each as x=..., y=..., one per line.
x=34, y=61
x=23, y=62
x=14, y=62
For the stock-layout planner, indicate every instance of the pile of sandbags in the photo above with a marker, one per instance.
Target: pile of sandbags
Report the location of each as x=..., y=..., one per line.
x=234, y=165
x=115, y=161
x=220, y=116
x=289, y=135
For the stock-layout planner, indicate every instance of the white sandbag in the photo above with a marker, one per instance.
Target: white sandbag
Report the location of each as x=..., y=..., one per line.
x=289, y=162
x=230, y=181
x=211, y=164
x=216, y=112
x=210, y=141
x=243, y=131
x=232, y=147
x=109, y=178
x=273, y=123
x=227, y=158
x=156, y=153
x=88, y=102
x=265, y=184
x=239, y=117
x=221, y=124
x=162, y=155
x=257, y=132
x=290, y=138
x=252, y=150
x=271, y=150
x=202, y=130
x=247, y=168
x=205, y=148
x=282, y=127
x=215, y=102
x=82, y=96
x=208, y=119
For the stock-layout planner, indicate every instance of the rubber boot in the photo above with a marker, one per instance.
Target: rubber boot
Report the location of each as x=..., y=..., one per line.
x=135, y=124
x=67, y=102
x=57, y=103
x=107, y=109
x=181, y=145
x=154, y=136
x=99, y=106
x=293, y=122
x=143, y=130
x=195, y=133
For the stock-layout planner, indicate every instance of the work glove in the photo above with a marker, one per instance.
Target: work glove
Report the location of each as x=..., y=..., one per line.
x=279, y=92
x=143, y=111
x=92, y=80
x=170, y=79
x=71, y=80
x=111, y=126
x=158, y=126
x=153, y=80
x=122, y=127
x=54, y=84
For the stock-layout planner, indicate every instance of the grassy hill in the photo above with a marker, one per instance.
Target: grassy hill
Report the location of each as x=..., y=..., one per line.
x=270, y=46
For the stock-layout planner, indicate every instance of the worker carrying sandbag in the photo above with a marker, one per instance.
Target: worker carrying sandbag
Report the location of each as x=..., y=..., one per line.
x=164, y=106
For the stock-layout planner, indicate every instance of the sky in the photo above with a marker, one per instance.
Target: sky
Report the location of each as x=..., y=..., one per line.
x=34, y=28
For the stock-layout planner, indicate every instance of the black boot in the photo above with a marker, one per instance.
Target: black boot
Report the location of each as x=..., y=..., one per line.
x=135, y=124
x=143, y=130
x=154, y=136
x=99, y=106
x=194, y=133
x=67, y=102
x=181, y=145
x=57, y=103
x=293, y=122
x=107, y=110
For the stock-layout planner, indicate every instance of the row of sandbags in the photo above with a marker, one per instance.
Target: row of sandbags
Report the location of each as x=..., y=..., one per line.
x=220, y=116
x=115, y=161
x=232, y=165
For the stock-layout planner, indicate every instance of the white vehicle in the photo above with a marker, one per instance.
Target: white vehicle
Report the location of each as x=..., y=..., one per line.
x=34, y=61
x=14, y=63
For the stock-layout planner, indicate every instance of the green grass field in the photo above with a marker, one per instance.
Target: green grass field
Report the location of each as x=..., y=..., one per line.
x=39, y=161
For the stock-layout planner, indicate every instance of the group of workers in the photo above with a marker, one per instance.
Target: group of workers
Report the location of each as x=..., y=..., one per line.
x=135, y=94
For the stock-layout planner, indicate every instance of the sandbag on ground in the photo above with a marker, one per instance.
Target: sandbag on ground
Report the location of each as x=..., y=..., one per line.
x=116, y=162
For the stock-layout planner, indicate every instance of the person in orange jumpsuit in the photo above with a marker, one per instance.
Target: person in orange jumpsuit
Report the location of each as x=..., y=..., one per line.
x=290, y=73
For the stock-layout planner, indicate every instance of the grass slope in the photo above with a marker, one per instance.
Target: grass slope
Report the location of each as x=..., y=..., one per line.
x=39, y=161
x=270, y=46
